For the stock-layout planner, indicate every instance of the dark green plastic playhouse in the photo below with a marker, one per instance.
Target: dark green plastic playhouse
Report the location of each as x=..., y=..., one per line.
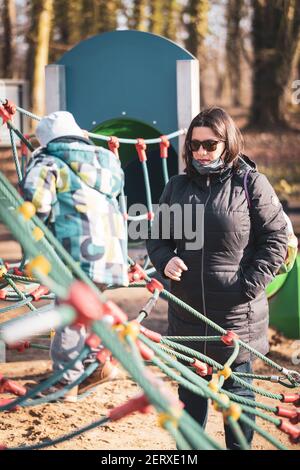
x=284, y=301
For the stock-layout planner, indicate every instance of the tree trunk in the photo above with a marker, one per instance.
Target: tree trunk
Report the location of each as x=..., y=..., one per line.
x=108, y=13
x=276, y=28
x=9, y=39
x=197, y=29
x=39, y=38
x=233, y=48
x=172, y=13
x=138, y=19
x=156, y=25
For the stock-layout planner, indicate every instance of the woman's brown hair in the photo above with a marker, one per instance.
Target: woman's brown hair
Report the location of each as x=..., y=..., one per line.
x=224, y=128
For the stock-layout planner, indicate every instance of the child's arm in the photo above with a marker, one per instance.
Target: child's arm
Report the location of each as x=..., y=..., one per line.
x=39, y=186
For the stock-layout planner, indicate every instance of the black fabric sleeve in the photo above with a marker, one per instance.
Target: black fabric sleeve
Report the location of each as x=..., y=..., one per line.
x=270, y=236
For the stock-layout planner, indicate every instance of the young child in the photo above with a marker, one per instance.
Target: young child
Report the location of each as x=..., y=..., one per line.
x=74, y=185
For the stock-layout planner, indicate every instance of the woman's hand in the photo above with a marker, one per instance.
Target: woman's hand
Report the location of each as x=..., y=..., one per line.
x=174, y=268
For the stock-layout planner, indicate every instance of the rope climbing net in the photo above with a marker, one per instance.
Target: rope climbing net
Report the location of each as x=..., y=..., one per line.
x=51, y=272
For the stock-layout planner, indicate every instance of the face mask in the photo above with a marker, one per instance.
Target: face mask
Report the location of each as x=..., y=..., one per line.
x=212, y=167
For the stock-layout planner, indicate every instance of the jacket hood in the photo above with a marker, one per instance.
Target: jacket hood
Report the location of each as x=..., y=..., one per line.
x=97, y=167
x=245, y=163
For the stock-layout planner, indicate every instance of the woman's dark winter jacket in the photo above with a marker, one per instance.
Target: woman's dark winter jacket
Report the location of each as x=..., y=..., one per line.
x=242, y=251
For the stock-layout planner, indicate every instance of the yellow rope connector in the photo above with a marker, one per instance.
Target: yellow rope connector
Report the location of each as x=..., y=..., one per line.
x=214, y=384
x=224, y=399
x=39, y=263
x=27, y=209
x=226, y=372
x=37, y=233
x=3, y=270
x=234, y=411
x=132, y=329
x=172, y=417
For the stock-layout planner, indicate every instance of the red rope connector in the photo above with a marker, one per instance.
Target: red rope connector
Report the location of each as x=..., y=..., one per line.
x=3, y=294
x=150, y=216
x=113, y=145
x=141, y=150
x=136, y=273
x=229, y=337
x=145, y=351
x=112, y=309
x=7, y=111
x=139, y=403
x=9, y=386
x=164, y=145
x=93, y=341
x=296, y=419
x=154, y=284
x=39, y=292
x=20, y=346
x=292, y=431
x=17, y=272
x=153, y=335
x=201, y=368
x=291, y=413
x=7, y=401
x=86, y=303
x=291, y=398
x=10, y=107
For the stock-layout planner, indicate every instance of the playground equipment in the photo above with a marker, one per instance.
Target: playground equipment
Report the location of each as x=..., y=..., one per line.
x=130, y=343
x=73, y=84
x=129, y=84
x=284, y=301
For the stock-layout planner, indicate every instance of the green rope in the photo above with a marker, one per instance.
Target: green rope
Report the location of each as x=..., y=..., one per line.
x=193, y=338
x=159, y=400
x=248, y=402
x=262, y=432
x=147, y=186
x=15, y=152
x=13, y=307
x=239, y=435
x=258, y=413
x=165, y=170
x=47, y=383
x=20, y=293
x=192, y=352
x=14, y=277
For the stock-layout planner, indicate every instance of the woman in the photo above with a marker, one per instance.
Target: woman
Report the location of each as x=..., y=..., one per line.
x=242, y=250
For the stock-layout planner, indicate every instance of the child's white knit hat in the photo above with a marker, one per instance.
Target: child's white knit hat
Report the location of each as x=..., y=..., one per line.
x=58, y=124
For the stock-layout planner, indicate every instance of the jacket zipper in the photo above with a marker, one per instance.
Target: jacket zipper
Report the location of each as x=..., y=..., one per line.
x=202, y=260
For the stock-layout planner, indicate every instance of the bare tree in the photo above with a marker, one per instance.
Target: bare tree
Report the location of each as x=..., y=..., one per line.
x=8, y=14
x=38, y=51
x=234, y=14
x=139, y=15
x=156, y=25
x=172, y=15
x=197, y=30
x=276, y=36
x=108, y=15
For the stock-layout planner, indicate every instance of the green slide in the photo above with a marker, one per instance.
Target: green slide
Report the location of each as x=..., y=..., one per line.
x=284, y=302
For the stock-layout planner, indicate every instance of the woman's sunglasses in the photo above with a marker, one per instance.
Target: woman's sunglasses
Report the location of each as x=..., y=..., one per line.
x=208, y=145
